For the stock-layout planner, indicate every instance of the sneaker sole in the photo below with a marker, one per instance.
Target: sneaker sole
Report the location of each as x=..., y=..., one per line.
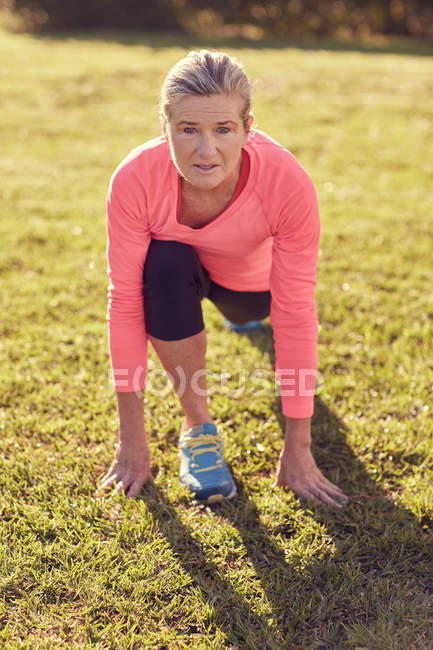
x=217, y=498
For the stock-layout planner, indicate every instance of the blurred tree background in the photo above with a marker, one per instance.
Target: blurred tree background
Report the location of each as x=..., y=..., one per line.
x=280, y=18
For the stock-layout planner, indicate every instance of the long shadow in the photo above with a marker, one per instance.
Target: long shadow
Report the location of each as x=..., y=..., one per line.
x=388, y=536
x=230, y=611
x=378, y=545
x=376, y=541
x=160, y=40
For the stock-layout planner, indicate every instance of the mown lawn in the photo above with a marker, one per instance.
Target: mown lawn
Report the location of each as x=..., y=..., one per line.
x=266, y=570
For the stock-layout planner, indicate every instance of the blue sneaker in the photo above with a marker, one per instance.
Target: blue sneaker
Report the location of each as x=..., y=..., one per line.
x=202, y=466
x=249, y=326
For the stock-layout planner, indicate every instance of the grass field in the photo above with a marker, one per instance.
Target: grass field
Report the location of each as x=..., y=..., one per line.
x=266, y=570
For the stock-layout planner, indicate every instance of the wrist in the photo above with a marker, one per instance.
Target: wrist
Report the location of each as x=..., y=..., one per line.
x=131, y=419
x=297, y=423
x=297, y=433
x=132, y=435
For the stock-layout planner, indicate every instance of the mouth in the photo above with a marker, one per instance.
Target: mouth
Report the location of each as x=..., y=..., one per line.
x=205, y=168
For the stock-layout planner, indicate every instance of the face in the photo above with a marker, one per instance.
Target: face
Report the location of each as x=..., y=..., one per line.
x=206, y=135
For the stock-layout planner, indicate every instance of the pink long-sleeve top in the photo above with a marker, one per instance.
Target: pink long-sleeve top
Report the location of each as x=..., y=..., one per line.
x=266, y=239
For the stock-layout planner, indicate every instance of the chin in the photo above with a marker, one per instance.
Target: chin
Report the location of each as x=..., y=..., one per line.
x=205, y=183
x=207, y=186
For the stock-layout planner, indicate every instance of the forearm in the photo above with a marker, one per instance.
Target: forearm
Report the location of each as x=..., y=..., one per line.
x=131, y=417
x=298, y=433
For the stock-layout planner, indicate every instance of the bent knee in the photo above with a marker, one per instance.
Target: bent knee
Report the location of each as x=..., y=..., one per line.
x=169, y=261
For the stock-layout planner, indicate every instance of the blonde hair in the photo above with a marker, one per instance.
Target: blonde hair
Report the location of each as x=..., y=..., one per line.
x=205, y=73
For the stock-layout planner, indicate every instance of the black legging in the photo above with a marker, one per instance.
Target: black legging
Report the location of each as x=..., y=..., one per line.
x=174, y=284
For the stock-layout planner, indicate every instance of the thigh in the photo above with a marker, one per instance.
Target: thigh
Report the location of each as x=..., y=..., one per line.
x=240, y=306
x=174, y=283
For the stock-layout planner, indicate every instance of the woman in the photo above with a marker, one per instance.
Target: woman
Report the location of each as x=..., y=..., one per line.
x=211, y=209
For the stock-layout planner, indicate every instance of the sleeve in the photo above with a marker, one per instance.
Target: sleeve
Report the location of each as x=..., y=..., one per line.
x=293, y=309
x=127, y=245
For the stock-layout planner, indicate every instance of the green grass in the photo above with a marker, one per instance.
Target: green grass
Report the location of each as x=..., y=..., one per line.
x=266, y=570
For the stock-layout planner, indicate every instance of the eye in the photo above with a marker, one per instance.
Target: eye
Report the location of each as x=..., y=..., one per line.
x=189, y=129
x=223, y=129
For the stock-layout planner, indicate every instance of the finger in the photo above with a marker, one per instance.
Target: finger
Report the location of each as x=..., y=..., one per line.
x=115, y=481
x=105, y=487
x=306, y=493
x=134, y=489
x=332, y=489
x=310, y=497
x=332, y=486
x=109, y=481
x=297, y=491
x=123, y=485
x=344, y=498
x=119, y=487
x=324, y=498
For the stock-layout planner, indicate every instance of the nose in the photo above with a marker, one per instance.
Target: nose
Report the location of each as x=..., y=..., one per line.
x=206, y=146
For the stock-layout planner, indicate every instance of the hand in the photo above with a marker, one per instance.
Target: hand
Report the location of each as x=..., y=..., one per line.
x=300, y=473
x=297, y=468
x=130, y=469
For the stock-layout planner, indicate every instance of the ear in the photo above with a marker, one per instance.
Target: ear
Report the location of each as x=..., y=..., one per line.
x=250, y=121
x=249, y=126
x=164, y=123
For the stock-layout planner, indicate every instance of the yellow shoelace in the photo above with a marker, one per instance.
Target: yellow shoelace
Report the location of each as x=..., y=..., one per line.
x=212, y=446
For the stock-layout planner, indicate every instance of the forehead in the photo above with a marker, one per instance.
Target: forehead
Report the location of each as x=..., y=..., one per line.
x=207, y=108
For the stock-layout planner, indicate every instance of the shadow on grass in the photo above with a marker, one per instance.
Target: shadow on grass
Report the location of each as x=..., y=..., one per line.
x=230, y=611
x=374, y=553
x=160, y=40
